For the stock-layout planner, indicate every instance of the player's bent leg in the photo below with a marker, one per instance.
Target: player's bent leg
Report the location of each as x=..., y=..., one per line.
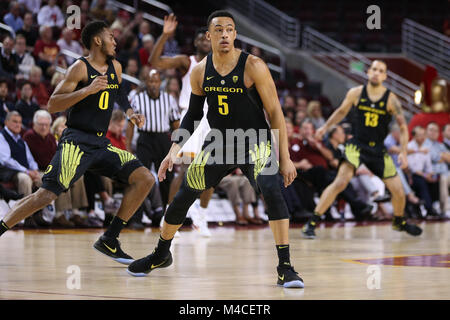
x=27, y=206
x=140, y=182
x=279, y=224
x=161, y=257
x=399, y=223
x=328, y=196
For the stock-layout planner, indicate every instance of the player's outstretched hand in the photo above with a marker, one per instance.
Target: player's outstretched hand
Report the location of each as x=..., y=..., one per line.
x=99, y=83
x=288, y=171
x=170, y=24
x=320, y=133
x=138, y=120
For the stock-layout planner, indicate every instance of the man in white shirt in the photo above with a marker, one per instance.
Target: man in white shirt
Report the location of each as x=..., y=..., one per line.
x=67, y=43
x=51, y=15
x=419, y=161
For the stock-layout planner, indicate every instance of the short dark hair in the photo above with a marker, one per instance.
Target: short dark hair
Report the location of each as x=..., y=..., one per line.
x=91, y=30
x=219, y=13
x=3, y=80
x=201, y=30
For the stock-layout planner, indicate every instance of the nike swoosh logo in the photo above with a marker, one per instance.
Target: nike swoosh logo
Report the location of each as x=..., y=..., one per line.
x=92, y=77
x=283, y=247
x=281, y=278
x=112, y=250
x=209, y=78
x=153, y=266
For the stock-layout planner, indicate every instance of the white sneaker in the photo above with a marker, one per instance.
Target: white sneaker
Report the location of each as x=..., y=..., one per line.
x=200, y=224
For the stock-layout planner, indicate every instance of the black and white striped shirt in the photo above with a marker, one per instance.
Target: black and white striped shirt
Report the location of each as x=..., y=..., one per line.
x=159, y=113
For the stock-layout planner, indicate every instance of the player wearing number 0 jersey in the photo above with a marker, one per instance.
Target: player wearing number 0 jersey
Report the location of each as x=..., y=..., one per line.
x=373, y=107
x=88, y=92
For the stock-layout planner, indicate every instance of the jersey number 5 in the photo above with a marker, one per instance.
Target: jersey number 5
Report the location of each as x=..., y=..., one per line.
x=104, y=100
x=223, y=106
x=371, y=119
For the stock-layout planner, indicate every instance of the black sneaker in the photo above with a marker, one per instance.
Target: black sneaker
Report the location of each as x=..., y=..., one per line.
x=308, y=230
x=288, y=277
x=402, y=225
x=111, y=248
x=143, y=266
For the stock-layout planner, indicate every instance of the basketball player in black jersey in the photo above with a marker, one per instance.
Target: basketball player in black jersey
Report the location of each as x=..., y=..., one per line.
x=88, y=92
x=374, y=105
x=238, y=88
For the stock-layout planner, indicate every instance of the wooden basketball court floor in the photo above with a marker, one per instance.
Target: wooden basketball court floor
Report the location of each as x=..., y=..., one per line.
x=344, y=262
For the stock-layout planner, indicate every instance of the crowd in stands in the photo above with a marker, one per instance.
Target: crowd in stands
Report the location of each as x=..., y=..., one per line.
x=31, y=66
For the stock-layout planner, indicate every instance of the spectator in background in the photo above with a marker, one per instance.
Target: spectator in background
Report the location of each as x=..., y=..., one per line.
x=171, y=48
x=446, y=136
x=131, y=70
x=24, y=58
x=29, y=31
x=25, y=106
x=129, y=51
x=13, y=18
x=173, y=88
x=100, y=12
x=300, y=115
x=314, y=112
x=46, y=51
x=9, y=62
x=144, y=29
x=440, y=159
x=144, y=52
x=40, y=91
x=419, y=161
x=31, y=5
x=240, y=193
x=16, y=157
x=289, y=103
x=5, y=105
x=392, y=144
x=301, y=104
x=67, y=43
x=50, y=15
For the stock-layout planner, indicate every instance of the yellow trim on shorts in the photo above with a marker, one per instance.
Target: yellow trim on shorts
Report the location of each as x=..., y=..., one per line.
x=70, y=160
x=195, y=175
x=389, y=167
x=352, y=154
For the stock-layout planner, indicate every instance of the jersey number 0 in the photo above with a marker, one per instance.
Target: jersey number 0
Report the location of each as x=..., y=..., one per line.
x=104, y=100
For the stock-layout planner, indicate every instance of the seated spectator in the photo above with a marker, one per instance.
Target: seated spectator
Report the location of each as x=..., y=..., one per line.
x=67, y=43
x=13, y=18
x=40, y=91
x=19, y=163
x=314, y=113
x=171, y=47
x=144, y=30
x=46, y=51
x=5, y=105
x=9, y=64
x=392, y=144
x=101, y=12
x=132, y=70
x=129, y=51
x=446, y=136
x=419, y=162
x=29, y=31
x=26, y=106
x=147, y=47
x=440, y=159
x=24, y=58
x=300, y=115
x=240, y=193
x=173, y=88
x=289, y=103
x=50, y=15
x=31, y=5
x=301, y=104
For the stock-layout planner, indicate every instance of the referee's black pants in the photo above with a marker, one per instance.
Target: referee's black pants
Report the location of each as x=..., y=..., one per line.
x=152, y=148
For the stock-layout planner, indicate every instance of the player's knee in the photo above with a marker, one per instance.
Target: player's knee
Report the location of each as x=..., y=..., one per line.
x=146, y=181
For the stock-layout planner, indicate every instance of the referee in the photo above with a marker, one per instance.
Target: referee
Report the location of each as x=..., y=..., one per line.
x=162, y=114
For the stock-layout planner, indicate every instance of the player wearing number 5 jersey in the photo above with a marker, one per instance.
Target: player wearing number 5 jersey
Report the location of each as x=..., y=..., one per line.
x=373, y=106
x=88, y=92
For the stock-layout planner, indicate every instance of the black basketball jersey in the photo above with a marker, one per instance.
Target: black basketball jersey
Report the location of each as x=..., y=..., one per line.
x=93, y=113
x=233, y=106
x=371, y=119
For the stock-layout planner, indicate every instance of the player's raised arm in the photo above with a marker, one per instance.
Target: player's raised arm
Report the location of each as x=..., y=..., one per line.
x=180, y=62
x=340, y=113
x=260, y=74
x=395, y=107
x=64, y=95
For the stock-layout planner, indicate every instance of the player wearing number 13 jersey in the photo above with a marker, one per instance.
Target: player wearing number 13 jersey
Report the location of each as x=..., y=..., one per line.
x=88, y=91
x=373, y=106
